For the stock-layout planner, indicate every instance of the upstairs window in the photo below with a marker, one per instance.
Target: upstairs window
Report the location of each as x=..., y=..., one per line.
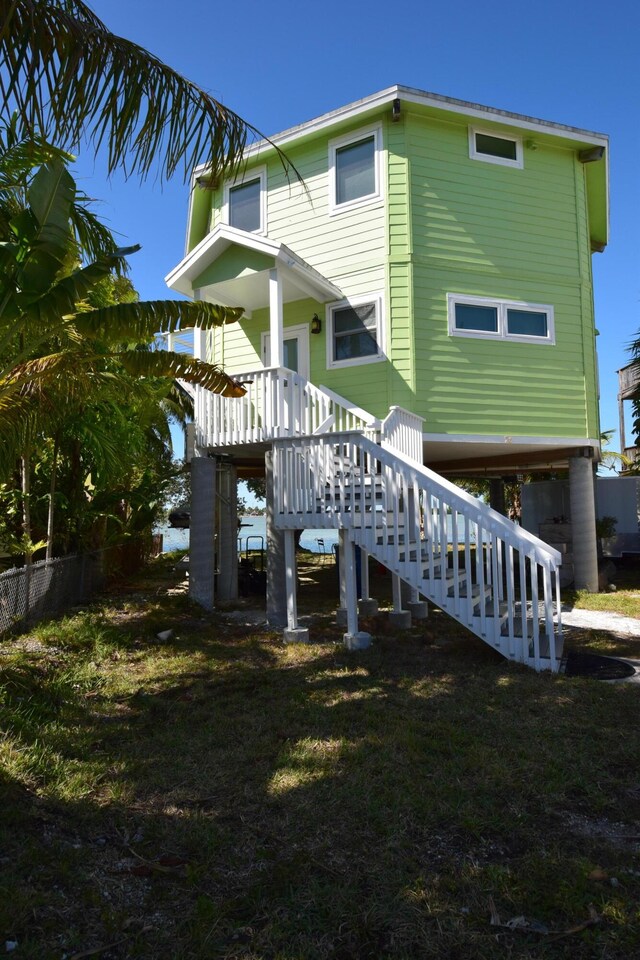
x=495, y=148
x=355, y=332
x=354, y=170
x=500, y=319
x=245, y=203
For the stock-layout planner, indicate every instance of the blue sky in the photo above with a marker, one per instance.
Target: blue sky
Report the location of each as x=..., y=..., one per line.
x=281, y=64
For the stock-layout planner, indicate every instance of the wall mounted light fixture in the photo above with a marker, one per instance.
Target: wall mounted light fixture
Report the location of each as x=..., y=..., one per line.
x=316, y=324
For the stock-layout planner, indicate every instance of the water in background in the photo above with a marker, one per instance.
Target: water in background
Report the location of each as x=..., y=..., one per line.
x=252, y=535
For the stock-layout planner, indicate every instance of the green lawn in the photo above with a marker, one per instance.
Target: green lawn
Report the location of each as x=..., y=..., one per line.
x=220, y=795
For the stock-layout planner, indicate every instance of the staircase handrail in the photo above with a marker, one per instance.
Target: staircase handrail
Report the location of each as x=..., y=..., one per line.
x=456, y=497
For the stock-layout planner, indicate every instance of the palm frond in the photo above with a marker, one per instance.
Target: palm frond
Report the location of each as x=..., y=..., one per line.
x=65, y=72
x=143, y=319
x=180, y=366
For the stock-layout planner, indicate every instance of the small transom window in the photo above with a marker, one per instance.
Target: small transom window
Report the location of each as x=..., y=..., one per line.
x=495, y=148
x=355, y=332
x=500, y=319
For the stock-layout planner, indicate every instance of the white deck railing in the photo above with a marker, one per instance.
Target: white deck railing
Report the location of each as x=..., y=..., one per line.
x=493, y=576
x=278, y=403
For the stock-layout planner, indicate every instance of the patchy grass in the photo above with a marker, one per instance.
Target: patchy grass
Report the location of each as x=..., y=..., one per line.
x=220, y=795
x=625, y=599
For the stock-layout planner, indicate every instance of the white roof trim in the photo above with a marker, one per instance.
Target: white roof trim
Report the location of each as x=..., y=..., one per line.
x=223, y=236
x=433, y=100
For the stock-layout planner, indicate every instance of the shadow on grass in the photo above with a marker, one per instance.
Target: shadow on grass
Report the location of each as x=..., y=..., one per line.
x=243, y=799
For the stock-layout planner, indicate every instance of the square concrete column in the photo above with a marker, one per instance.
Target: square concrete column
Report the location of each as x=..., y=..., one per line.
x=276, y=564
x=202, y=559
x=583, y=523
x=496, y=495
x=227, y=505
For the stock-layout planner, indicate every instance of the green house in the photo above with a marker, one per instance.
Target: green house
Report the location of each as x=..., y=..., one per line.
x=421, y=275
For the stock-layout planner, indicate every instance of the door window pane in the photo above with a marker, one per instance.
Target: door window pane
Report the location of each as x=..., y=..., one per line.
x=290, y=352
x=355, y=171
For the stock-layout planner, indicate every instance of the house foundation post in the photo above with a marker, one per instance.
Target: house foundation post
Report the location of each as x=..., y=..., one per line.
x=583, y=523
x=227, y=505
x=341, y=612
x=293, y=633
x=353, y=638
x=367, y=607
x=496, y=495
x=202, y=534
x=419, y=609
x=276, y=564
x=399, y=618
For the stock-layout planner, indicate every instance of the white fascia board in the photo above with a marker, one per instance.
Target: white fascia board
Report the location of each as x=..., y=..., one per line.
x=422, y=98
x=216, y=242
x=510, y=440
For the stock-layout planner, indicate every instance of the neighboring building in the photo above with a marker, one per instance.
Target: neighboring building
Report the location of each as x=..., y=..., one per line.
x=628, y=389
x=434, y=260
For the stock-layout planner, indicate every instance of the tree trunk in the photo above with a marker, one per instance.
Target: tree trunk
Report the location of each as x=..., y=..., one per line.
x=52, y=491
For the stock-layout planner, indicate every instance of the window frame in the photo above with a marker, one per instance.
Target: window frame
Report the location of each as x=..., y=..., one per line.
x=346, y=140
x=475, y=154
x=376, y=299
x=259, y=173
x=502, y=306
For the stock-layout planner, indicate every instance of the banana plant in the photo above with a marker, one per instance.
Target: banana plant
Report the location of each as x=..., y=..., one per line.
x=58, y=352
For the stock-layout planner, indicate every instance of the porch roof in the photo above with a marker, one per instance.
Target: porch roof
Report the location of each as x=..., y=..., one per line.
x=232, y=267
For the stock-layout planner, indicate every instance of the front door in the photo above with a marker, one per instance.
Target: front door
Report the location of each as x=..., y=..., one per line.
x=295, y=349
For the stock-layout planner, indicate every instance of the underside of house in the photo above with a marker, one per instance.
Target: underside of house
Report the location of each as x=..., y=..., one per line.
x=387, y=349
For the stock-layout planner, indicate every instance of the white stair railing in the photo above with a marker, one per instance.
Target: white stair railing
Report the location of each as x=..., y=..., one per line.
x=402, y=430
x=277, y=403
x=489, y=574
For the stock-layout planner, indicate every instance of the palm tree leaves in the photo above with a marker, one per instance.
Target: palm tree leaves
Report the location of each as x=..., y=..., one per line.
x=144, y=319
x=180, y=366
x=67, y=74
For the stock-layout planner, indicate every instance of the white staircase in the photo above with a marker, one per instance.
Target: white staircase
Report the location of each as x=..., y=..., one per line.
x=497, y=579
x=336, y=465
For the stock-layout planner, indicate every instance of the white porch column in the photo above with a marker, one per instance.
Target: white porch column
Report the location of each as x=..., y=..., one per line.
x=583, y=523
x=276, y=317
x=199, y=335
x=341, y=612
x=293, y=633
x=276, y=570
x=353, y=639
x=367, y=607
x=398, y=618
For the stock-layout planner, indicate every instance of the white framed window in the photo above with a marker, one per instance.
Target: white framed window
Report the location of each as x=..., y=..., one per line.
x=495, y=147
x=244, y=202
x=490, y=319
x=355, y=331
x=355, y=177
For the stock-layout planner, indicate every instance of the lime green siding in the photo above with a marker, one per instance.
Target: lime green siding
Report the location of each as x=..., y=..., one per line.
x=446, y=223
x=495, y=231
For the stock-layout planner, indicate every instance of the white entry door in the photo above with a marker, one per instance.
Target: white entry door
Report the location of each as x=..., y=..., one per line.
x=295, y=349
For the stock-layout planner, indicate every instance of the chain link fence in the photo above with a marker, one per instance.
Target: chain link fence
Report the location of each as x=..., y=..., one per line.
x=48, y=588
